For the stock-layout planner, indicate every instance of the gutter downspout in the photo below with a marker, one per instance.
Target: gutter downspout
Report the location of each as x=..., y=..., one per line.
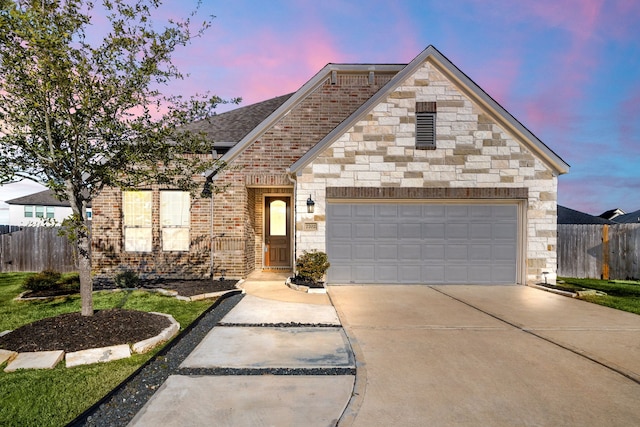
x=291, y=177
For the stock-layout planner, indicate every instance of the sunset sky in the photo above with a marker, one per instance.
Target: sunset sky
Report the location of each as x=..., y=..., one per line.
x=569, y=70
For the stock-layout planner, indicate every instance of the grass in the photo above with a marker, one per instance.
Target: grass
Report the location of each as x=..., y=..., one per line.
x=621, y=294
x=55, y=397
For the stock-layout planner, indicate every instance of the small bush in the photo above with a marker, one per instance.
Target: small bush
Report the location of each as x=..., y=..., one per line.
x=70, y=281
x=312, y=265
x=45, y=280
x=127, y=279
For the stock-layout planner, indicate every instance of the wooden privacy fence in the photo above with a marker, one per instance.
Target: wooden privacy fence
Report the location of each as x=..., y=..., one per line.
x=36, y=249
x=599, y=251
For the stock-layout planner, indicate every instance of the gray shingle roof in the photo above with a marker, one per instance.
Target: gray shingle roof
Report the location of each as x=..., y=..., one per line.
x=232, y=126
x=42, y=198
x=570, y=216
x=630, y=218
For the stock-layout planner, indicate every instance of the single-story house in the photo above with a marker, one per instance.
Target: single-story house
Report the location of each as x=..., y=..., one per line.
x=39, y=208
x=572, y=216
x=405, y=173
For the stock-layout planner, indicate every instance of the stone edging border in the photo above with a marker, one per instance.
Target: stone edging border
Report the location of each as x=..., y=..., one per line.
x=302, y=288
x=49, y=359
x=161, y=291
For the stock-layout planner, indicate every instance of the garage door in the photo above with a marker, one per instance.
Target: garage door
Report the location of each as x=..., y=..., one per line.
x=422, y=243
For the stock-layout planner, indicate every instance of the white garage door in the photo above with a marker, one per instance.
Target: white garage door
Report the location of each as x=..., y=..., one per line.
x=422, y=243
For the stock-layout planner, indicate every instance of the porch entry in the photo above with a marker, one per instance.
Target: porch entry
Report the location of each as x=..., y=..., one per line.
x=277, y=232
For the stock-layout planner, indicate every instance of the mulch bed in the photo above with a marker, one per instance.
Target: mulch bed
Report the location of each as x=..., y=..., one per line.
x=74, y=332
x=308, y=283
x=189, y=288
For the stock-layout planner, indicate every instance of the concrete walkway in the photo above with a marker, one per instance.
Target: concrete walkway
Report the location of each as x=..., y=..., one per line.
x=279, y=357
x=488, y=355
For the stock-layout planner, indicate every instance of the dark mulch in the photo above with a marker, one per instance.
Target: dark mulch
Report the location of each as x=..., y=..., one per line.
x=186, y=288
x=73, y=332
x=189, y=288
x=308, y=283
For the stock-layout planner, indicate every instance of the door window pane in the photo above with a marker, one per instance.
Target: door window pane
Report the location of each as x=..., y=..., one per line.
x=278, y=218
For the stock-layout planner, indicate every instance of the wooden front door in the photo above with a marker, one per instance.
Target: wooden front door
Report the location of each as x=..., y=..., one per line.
x=277, y=231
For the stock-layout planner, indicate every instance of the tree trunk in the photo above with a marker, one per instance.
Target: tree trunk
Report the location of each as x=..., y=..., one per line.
x=84, y=268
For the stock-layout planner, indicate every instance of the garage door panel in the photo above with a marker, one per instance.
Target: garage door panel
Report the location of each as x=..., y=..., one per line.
x=480, y=252
x=339, y=231
x=457, y=231
x=410, y=274
x=386, y=231
x=422, y=243
x=363, y=252
x=362, y=231
x=433, y=274
x=481, y=231
x=410, y=252
x=410, y=231
x=386, y=273
x=387, y=252
x=433, y=231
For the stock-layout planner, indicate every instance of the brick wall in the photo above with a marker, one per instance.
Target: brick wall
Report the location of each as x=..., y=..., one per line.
x=108, y=255
x=263, y=164
x=472, y=151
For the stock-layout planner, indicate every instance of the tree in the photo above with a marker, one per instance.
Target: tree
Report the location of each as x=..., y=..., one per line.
x=77, y=115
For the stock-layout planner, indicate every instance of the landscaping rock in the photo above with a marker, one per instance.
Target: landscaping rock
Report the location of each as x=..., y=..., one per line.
x=6, y=355
x=166, y=334
x=95, y=355
x=35, y=360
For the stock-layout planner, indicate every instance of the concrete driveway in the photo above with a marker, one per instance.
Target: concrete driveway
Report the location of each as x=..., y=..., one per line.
x=488, y=355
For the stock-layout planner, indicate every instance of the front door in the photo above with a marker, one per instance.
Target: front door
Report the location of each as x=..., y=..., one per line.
x=277, y=231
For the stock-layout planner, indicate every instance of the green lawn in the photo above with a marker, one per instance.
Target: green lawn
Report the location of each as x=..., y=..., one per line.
x=621, y=294
x=55, y=397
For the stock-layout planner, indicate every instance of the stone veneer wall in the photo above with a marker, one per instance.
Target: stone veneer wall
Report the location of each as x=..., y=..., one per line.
x=264, y=164
x=472, y=151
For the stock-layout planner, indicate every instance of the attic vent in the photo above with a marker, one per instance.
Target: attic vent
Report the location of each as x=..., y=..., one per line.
x=426, y=125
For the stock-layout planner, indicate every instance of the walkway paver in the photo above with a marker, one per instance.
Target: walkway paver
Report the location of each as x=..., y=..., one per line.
x=282, y=335
x=268, y=347
x=247, y=401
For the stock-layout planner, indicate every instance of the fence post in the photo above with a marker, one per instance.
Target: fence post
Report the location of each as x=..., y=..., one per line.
x=605, y=252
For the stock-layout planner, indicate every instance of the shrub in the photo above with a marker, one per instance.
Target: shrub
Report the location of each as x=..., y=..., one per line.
x=70, y=281
x=312, y=265
x=45, y=280
x=127, y=279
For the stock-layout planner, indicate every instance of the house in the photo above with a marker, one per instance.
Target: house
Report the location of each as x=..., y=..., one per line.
x=405, y=173
x=629, y=218
x=38, y=209
x=571, y=216
x=612, y=213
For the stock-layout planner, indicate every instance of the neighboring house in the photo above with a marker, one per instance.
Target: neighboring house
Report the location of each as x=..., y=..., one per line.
x=401, y=173
x=612, y=214
x=630, y=218
x=571, y=216
x=38, y=209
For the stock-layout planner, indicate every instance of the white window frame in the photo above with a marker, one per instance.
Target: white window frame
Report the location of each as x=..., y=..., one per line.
x=175, y=220
x=137, y=207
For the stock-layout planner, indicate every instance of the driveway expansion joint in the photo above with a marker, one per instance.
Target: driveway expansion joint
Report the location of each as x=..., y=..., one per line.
x=265, y=371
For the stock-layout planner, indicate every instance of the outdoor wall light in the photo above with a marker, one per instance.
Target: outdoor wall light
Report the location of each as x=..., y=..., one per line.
x=310, y=204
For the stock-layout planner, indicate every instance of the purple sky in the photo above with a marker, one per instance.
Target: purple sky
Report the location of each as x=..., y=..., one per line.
x=569, y=70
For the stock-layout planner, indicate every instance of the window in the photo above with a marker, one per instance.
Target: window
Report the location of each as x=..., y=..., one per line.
x=174, y=220
x=51, y=211
x=136, y=206
x=426, y=125
x=28, y=211
x=278, y=218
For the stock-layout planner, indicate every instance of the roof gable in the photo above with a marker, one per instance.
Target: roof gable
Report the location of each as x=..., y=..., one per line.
x=470, y=89
x=227, y=128
x=298, y=97
x=41, y=198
